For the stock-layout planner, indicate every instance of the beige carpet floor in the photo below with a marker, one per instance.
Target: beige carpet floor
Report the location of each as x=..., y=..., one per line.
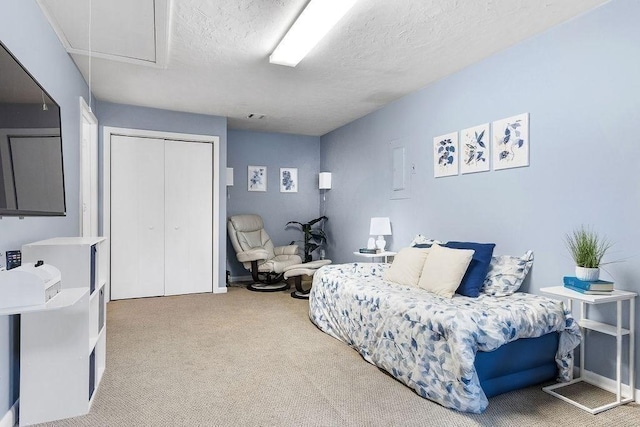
x=254, y=359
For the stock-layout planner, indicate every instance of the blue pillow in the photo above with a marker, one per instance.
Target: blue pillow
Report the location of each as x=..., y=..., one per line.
x=473, y=279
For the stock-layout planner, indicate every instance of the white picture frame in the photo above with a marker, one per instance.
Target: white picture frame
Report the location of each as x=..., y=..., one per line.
x=256, y=178
x=510, y=147
x=288, y=180
x=445, y=155
x=475, y=149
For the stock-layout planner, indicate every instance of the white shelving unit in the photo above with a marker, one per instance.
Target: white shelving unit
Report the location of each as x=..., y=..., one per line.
x=616, y=331
x=386, y=255
x=63, y=352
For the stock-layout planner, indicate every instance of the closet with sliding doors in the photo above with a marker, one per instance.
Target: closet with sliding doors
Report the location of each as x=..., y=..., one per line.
x=161, y=222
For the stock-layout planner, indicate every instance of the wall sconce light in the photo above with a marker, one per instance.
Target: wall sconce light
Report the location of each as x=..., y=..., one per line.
x=324, y=181
x=229, y=177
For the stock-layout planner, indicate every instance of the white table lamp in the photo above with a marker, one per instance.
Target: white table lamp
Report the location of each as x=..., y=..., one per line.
x=380, y=226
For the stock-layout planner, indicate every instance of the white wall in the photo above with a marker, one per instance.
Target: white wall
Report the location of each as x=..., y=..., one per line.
x=579, y=82
x=275, y=151
x=133, y=117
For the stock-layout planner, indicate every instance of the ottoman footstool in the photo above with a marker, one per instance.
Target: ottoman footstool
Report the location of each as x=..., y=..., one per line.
x=298, y=271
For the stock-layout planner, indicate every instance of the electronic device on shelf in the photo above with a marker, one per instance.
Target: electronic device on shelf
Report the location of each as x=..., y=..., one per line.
x=14, y=259
x=29, y=284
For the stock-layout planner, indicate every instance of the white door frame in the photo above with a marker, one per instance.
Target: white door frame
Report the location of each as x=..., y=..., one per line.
x=106, y=195
x=88, y=172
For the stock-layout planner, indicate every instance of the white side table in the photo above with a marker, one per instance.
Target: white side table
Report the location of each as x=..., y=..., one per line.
x=385, y=255
x=614, y=330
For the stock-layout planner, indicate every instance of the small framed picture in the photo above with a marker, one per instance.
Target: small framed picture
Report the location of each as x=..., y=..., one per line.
x=288, y=180
x=511, y=142
x=474, y=149
x=257, y=178
x=445, y=155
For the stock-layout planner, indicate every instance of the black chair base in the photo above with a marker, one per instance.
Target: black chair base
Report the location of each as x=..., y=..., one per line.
x=300, y=295
x=266, y=281
x=264, y=287
x=300, y=292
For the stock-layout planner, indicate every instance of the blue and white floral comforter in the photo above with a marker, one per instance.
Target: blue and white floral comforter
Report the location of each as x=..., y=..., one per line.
x=426, y=341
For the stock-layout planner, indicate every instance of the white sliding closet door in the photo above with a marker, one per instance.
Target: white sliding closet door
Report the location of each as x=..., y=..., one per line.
x=161, y=217
x=137, y=217
x=188, y=193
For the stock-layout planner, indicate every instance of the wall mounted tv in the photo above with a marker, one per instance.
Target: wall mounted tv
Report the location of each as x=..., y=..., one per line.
x=31, y=170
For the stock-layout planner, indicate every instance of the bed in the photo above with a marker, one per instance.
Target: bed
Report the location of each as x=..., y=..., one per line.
x=455, y=351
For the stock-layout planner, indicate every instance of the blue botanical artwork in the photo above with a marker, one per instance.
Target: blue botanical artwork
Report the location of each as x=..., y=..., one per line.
x=511, y=142
x=475, y=145
x=257, y=178
x=445, y=155
x=288, y=180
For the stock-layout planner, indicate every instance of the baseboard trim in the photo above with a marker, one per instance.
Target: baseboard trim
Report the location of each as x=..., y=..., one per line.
x=220, y=290
x=10, y=419
x=606, y=383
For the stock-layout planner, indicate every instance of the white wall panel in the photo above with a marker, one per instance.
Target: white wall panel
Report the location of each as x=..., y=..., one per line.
x=188, y=213
x=137, y=217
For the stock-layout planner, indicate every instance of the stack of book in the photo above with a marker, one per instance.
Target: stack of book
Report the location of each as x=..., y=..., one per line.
x=596, y=287
x=369, y=251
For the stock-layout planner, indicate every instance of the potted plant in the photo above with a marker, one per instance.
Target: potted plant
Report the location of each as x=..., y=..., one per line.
x=314, y=237
x=587, y=249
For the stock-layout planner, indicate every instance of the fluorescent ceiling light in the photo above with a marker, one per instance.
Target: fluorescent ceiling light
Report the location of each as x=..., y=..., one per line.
x=312, y=25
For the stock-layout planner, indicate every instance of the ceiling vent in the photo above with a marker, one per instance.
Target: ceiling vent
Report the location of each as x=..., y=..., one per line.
x=256, y=116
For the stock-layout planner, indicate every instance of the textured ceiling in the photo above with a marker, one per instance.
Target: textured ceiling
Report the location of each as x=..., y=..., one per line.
x=381, y=50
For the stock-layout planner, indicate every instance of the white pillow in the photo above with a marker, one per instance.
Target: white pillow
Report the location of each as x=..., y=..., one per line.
x=444, y=269
x=407, y=266
x=506, y=274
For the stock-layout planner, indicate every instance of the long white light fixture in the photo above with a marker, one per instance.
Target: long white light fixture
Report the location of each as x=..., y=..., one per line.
x=312, y=25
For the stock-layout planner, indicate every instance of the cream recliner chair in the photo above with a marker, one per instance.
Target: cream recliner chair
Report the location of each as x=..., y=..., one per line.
x=256, y=252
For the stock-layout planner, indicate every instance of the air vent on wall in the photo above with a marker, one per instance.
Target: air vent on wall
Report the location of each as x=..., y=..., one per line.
x=256, y=116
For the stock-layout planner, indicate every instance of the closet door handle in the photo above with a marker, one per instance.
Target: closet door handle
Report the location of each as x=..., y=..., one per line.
x=176, y=228
x=151, y=227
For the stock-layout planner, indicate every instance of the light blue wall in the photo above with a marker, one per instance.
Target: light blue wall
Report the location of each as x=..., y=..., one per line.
x=580, y=84
x=132, y=117
x=26, y=32
x=275, y=151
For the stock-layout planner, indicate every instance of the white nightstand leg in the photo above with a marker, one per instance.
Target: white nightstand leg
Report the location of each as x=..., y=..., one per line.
x=632, y=327
x=619, y=351
x=583, y=315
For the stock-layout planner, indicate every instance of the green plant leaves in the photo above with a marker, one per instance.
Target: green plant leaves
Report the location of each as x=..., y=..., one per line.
x=586, y=247
x=313, y=237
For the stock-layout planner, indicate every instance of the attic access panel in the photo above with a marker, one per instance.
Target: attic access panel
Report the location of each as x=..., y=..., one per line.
x=121, y=30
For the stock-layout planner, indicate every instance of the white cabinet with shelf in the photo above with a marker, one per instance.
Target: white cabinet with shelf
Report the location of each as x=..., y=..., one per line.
x=384, y=254
x=63, y=352
x=616, y=331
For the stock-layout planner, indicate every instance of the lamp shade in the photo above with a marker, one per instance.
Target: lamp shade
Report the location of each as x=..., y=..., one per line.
x=229, y=177
x=324, y=181
x=380, y=226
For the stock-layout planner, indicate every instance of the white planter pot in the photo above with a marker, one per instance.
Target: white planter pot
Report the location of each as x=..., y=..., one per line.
x=587, y=274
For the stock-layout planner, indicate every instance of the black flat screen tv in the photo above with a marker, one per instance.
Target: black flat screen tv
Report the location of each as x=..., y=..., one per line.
x=31, y=169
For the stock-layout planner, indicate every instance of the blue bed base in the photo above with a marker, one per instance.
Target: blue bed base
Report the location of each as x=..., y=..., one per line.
x=518, y=364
